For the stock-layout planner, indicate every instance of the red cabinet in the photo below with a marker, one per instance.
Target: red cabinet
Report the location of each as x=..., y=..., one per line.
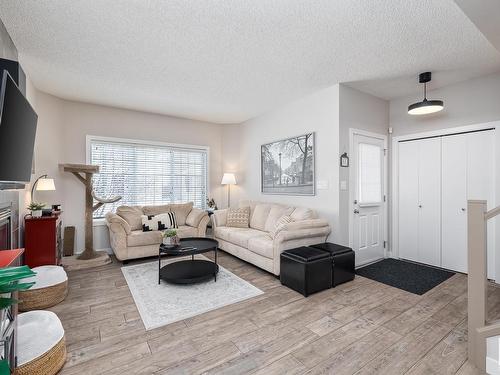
x=42, y=241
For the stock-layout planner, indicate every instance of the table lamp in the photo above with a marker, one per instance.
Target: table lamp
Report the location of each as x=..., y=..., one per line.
x=42, y=183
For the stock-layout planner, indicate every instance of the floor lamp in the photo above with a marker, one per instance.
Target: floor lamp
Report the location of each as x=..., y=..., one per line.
x=228, y=179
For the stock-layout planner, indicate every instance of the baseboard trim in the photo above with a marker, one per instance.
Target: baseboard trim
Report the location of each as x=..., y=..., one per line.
x=106, y=249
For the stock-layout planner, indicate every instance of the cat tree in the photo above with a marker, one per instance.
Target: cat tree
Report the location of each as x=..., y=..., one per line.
x=84, y=174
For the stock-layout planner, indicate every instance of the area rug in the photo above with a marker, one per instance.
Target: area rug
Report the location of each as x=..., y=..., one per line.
x=412, y=277
x=166, y=303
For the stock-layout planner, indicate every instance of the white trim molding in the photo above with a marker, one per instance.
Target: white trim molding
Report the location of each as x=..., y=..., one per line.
x=395, y=175
x=352, y=133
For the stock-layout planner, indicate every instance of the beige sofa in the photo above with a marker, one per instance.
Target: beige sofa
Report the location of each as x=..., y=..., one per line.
x=127, y=239
x=255, y=244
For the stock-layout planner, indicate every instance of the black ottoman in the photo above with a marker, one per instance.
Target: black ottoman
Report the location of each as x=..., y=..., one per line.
x=343, y=261
x=306, y=270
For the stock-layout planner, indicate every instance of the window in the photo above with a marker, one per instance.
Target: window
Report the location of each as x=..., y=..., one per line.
x=147, y=173
x=370, y=173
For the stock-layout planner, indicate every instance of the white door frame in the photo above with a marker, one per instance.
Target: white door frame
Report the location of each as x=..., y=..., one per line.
x=394, y=246
x=352, y=179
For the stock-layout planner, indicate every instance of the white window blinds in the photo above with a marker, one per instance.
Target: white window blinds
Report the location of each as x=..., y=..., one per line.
x=146, y=174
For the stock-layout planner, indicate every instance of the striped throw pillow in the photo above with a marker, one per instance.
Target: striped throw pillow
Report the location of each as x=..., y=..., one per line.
x=163, y=221
x=280, y=224
x=238, y=217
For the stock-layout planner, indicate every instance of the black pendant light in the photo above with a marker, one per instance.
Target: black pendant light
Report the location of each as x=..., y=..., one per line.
x=425, y=106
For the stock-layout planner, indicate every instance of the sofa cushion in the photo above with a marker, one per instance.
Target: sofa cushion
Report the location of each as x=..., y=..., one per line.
x=186, y=231
x=259, y=216
x=277, y=211
x=112, y=218
x=132, y=215
x=156, y=210
x=195, y=216
x=237, y=236
x=238, y=217
x=140, y=238
x=182, y=211
x=241, y=236
x=223, y=233
x=262, y=245
x=159, y=222
x=301, y=213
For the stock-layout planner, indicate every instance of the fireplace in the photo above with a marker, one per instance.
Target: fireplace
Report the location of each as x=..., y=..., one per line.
x=9, y=220
x=5, y=228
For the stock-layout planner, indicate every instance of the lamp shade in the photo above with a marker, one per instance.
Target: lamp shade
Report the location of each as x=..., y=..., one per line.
x=228, y=179
x=45, y=184
x=425, y=107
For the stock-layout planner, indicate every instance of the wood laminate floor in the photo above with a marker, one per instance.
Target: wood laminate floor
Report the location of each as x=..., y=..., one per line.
x=361, y=327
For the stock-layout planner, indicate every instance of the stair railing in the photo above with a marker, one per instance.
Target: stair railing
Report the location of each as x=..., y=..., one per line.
x=478, y=327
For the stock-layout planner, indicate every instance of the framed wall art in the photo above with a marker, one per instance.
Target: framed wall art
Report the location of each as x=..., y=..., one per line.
x=287, y=166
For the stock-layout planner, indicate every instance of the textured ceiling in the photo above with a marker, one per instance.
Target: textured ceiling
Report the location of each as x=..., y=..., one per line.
x=230, y=60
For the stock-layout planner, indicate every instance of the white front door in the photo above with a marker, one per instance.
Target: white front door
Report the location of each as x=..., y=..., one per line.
x=368, y=206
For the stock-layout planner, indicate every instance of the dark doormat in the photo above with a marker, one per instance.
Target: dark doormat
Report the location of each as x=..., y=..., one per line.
x=412, y=277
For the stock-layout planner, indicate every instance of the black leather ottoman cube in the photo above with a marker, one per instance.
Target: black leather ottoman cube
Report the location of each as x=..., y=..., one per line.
x=343, y=261
x=306, y=270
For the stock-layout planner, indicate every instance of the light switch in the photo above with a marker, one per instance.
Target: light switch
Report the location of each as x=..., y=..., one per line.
x=343, y=185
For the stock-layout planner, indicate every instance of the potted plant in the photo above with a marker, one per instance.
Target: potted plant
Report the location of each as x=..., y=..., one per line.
x=36, y=209
x=170, y=237
x=9, y=283
x=211, y=204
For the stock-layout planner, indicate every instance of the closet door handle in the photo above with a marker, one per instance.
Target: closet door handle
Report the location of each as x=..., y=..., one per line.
x=419, y=206
x=463, y=209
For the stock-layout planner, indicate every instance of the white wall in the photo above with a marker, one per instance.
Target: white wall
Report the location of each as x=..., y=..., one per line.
x=318, y=113
x=61, y=133
x=358, y=110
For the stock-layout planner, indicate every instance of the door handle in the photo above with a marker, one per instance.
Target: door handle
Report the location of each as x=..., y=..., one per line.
x=463, y=209
x=419, y=206
x=356, y=211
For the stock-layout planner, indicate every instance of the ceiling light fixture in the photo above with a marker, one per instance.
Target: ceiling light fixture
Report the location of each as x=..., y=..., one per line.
x=425, y=106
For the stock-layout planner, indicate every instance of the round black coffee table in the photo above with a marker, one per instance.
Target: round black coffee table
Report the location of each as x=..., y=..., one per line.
x=192, y=270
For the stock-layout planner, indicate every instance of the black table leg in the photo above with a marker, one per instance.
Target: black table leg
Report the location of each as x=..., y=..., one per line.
x=216, y=266
x=159, y=267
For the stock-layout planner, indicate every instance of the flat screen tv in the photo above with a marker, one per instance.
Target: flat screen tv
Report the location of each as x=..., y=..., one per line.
x=17, y=134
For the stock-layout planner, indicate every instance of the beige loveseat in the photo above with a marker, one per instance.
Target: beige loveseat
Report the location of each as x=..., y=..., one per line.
x=127, y=239
x=256, y=244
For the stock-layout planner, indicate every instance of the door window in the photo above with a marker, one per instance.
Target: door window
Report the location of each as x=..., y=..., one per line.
x=369, y=174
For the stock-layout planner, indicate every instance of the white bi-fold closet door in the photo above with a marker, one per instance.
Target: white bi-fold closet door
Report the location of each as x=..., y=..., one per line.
x=468, y=164
x=420, y=201
x=436, y=178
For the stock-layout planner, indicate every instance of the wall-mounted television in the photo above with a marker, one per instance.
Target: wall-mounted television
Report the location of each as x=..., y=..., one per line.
x=17, y=134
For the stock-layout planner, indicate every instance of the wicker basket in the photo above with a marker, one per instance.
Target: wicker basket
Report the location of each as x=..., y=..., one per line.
x=48, y=363
x=42, y=298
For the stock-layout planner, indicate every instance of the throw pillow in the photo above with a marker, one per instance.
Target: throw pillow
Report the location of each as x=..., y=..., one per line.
x=280, y=224
x=159, y=222
x=182, y=211
x=195, y=216
x=238, y=217
x=132, y=215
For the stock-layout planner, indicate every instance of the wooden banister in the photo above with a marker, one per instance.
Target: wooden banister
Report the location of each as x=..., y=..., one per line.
x=478, y=329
